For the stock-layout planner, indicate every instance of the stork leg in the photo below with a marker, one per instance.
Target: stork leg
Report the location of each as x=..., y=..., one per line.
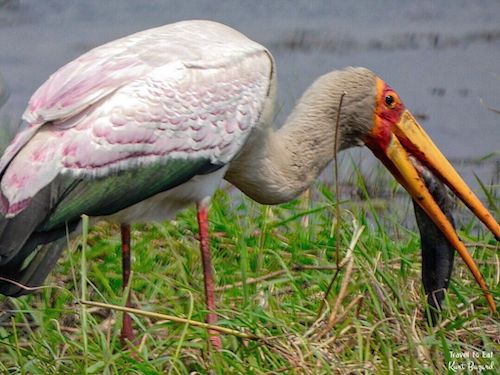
x=127, y=333
x=207, y=272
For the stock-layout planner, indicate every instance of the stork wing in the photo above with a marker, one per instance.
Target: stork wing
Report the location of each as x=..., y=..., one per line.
x=195, y=104
x=97, y=73
x=102, y=71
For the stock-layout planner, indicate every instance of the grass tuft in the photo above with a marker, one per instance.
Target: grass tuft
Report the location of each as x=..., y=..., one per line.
x=273, y=267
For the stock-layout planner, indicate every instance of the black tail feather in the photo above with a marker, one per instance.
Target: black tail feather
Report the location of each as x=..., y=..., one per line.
x=32, y=274
x=27, y=256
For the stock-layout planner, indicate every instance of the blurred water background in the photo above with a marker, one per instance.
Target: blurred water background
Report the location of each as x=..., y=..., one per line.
x=443, y=57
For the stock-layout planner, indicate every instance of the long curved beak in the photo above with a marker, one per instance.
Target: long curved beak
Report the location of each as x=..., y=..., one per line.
x=408, y=137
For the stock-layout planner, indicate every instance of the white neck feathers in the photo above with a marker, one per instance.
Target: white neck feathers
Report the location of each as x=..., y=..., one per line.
x=277, y=166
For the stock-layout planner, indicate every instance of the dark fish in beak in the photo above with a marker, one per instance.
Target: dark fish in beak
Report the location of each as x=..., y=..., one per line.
x=437, y=252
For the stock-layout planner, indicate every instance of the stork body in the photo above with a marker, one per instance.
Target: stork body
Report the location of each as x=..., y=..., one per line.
x=140, y=127
x=129, y=132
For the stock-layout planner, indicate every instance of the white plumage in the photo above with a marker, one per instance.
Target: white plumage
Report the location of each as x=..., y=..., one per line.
x=145, y=99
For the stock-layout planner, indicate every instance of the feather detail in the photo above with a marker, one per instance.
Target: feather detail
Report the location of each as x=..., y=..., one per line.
x=134, y=103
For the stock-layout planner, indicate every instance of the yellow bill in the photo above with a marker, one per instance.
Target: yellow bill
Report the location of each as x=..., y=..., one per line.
x=409, y=137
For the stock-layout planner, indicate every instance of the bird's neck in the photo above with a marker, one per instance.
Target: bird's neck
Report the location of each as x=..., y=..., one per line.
x=277, y=165
x=283, y=165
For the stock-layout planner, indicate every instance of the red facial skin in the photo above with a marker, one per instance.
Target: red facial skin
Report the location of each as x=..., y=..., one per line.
x=386, y=116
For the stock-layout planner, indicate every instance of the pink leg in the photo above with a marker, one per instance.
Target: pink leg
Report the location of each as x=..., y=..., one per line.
x=207, y=273
x=127, y=333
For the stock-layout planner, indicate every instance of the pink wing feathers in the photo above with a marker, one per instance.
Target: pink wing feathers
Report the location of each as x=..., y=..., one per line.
x=139, y=113
x=75, y=86
x=103, y=70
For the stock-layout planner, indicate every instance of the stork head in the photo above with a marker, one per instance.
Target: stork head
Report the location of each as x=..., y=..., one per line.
x=396, y=138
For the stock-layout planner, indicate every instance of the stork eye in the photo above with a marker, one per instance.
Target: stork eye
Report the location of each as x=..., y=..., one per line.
x=390, y=101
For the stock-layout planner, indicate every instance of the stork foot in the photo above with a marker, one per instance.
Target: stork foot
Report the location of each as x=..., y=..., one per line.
x=127, y=335
x=213, y=335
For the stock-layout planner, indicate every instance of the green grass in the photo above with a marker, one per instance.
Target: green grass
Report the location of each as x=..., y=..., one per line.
x=378, y=327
